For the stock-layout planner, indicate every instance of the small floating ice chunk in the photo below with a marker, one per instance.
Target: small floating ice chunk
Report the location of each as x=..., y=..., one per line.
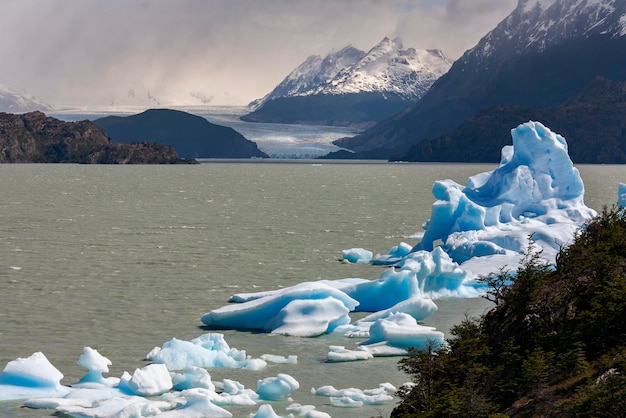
x=377, y=396
x=34, y=371
x=394, y=334
x=31, y=377
x=621, y=195
x=418, y=308
x=276, y=388
x=307, y=411
x=242, y=397
x=128, y=406
x=272, y=358
x=345, y=402
x=193, y=377
x=338, y=353
x=207, y=351
x=265, y=411
x=150, y=380
x=93, y=361
x=401, y=250
x=357, y=256
x=96, y=364
x=198, y=405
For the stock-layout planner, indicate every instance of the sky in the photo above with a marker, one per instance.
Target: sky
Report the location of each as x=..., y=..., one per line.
x=217, y=52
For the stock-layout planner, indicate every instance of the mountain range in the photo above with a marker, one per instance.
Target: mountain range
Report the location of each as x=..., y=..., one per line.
x=543, y=54
x=351, y=86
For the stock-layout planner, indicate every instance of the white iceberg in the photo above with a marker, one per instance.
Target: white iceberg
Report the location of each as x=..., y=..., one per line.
x=417, y=307
x=339, y=353
x=273, y=358
x=197, y=404
x=265, y=411
x=307, y=309
x=353, y=397
x=417, y=274
x=396, y=333
x=306, y=411
x=357, y=256
x=536, y=190
x=96, y=364
x=150, y=380
x=276, y=388
x=33, y=376
x=207, y=351
x=193, y=377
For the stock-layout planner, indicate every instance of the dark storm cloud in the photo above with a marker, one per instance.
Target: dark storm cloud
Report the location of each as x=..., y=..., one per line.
x=190, y=51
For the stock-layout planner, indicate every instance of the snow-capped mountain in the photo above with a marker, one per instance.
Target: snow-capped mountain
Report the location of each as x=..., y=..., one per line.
x=544, y=53
x=387, y=67
x=350, y=86
x=538, y=24
x=315, y=71
x=14, y=100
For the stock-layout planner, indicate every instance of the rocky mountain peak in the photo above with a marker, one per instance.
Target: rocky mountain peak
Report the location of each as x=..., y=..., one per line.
x=385, y=68
x=537, y=24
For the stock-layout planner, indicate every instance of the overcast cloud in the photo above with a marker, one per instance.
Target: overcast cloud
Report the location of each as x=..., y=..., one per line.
x=78, y=52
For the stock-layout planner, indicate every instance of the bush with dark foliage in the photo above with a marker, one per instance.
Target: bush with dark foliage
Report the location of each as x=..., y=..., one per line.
x=554, y=345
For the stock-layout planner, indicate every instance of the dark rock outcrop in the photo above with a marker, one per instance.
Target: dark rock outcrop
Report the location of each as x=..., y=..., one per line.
x=36, y=138
x=190, y=135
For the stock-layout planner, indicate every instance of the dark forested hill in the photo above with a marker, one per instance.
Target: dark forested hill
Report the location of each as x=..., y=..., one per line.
x=593, y=123
x=35, y=138
x=190, y=135
x=554, y=345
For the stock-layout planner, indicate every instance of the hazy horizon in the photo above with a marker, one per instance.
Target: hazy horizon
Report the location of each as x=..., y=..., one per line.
x=218, y=52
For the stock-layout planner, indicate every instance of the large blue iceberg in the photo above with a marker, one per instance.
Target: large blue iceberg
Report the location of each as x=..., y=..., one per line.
x=535, y=190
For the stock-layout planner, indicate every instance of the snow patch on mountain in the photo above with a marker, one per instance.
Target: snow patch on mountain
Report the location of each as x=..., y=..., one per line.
x=13, y=100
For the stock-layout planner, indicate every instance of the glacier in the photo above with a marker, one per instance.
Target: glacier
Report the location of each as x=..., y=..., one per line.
x=534, y=197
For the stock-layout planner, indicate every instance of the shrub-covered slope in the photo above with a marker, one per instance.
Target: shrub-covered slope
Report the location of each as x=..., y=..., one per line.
x=554, y=345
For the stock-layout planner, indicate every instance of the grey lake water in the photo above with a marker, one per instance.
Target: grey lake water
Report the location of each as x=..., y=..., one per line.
x=124, y=258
